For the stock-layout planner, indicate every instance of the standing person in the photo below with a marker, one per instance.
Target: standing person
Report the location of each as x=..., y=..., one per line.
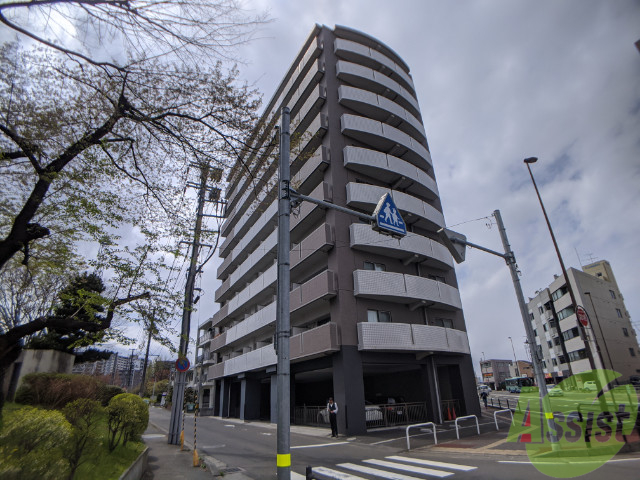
x=332, y=408
x=484, y=396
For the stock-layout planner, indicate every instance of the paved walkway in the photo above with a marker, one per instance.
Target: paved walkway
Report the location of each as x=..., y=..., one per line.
x=167, y=462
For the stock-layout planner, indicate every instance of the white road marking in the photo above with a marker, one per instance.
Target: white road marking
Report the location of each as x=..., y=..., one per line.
x=320, y=445
x=154, y=435
x=570, y=461
x=452, y=466
x=266, y=433
x=375, y=471
x=328, y=472
x=410, y=468
x=212, y=447
x=297, y=476
x=230, y=426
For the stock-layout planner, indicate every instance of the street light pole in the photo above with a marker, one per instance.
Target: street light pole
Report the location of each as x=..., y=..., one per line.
x=451, y=239
x=515, y=358
x=528, y=162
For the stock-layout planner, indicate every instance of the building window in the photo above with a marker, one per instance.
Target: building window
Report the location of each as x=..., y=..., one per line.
x=556, y=341
x=544, y=364
x=378, y=316
x=561, y=359
x=613, y=294
x=535, y=332
x=549, y=344
x=577, y=355
x=378, y=267
x=544, y=325
x=437, y=278
x=565, y=312
x=531, y=316
x=555, y=362
x=443, y=322
x=625, y=332
x=559, y=293
x=632, y=352
x=619, y=312
x=572, y=333
x=540, y=310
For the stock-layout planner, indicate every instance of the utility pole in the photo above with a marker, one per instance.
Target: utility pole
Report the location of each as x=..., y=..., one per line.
x=179, y=385
x=130, y=368
x=146, y=355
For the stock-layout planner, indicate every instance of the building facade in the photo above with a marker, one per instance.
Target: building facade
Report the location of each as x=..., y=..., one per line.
x=521, y=369
x=610, y=334
x=371, y=316
x=494, y=372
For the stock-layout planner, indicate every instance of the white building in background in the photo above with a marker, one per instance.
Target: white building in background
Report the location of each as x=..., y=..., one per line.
x=613, y=339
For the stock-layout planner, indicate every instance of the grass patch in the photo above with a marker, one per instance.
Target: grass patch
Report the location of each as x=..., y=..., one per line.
x=97, y=463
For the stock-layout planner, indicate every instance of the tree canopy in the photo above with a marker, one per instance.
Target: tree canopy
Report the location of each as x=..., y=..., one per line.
x=107, y=110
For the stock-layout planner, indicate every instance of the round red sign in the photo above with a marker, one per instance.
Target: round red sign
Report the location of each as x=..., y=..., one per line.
x=583, y=318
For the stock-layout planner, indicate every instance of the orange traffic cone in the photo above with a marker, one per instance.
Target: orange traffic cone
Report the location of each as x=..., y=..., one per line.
x=453, y=415
x=448, y=414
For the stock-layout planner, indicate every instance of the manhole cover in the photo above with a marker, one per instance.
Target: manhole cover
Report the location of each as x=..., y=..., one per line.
x=231, y=470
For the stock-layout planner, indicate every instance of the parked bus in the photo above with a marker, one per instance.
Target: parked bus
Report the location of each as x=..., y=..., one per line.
x=518, y=384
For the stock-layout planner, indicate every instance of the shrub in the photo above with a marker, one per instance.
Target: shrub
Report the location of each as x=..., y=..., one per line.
x=32, y=445
x=55, y=390
x=128, y=417
x=83, y=415
x=107, y=392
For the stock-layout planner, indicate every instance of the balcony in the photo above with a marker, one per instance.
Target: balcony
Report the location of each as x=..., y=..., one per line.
x=377, y=82
x=392, y=337
x=414, y=211
x=378, y=107
x=403, y=175
x=318, y=341
x=411, y=290
x=410, y=249
x=358, y=53
x=387, y=139
x=316, y=291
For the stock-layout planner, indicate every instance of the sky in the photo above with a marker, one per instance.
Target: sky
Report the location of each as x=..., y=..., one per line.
x=499, y=81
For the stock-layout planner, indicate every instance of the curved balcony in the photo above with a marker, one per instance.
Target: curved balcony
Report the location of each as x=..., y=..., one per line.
x=414, y=211
x=382, y=109
x=354, y=35
x=391, y=337
x=410, y=249
x=391, y=170
x=387, y=139
x=411, y=290
x=376, y=82
x=358, y=53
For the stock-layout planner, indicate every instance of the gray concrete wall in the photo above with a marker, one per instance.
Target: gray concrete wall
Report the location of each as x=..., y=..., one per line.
x=35, y=361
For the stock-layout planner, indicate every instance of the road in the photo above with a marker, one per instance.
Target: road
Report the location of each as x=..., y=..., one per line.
x=382, y=455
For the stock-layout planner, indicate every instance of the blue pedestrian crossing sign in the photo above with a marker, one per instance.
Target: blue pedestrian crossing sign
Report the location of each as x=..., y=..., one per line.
x=388, y=219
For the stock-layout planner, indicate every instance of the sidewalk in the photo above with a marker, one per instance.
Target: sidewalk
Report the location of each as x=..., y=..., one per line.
x=167, y=462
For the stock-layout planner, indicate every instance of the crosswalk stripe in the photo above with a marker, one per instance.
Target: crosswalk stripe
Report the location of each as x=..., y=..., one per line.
x=297, y=476
x=410, y=468
x=431, y=463
x=329, y=472
x=379, y=473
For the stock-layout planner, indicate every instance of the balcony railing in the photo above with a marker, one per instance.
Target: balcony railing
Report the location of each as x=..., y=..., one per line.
x=403, y=336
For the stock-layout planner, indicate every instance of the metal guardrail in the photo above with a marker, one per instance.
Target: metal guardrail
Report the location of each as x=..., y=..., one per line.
x=495, y=419
x=464, y=418
x=435, y=439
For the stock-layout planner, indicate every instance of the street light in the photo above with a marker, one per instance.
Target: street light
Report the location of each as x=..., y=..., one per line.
x=528, y=161
x=515, y=358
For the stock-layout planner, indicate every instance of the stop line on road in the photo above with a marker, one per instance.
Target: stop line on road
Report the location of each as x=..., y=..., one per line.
x=414, y=466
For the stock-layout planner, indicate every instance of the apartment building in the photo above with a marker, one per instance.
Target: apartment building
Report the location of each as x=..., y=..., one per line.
x=371, y=316
x=610, y=334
